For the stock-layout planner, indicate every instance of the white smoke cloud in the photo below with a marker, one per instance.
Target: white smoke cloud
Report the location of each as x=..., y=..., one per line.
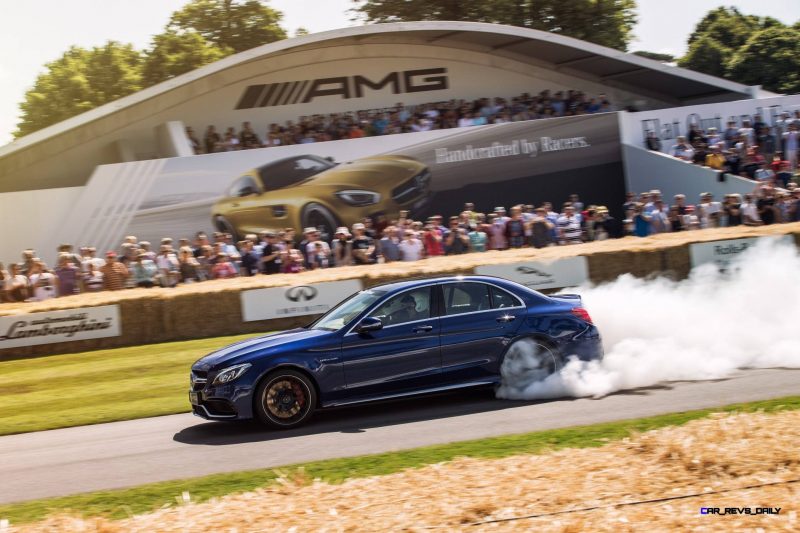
x=705, y=327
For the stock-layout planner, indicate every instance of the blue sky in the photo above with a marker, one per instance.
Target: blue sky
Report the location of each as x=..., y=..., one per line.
x=33, y=33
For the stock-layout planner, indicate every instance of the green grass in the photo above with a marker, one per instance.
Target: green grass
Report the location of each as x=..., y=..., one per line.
x=122, y=503
x=99, y=386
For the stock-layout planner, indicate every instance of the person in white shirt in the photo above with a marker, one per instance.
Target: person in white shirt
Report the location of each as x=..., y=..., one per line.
x=750, y=212
x=43, y=282
x=748, y=133
x=168, y=266
x=682, y=150
x=410, y=247
x=711, y=210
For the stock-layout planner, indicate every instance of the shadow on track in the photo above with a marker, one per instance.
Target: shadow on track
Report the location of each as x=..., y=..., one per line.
x=357, y=419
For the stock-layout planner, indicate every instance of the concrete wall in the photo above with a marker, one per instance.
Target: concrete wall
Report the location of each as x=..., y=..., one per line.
x=646, y=170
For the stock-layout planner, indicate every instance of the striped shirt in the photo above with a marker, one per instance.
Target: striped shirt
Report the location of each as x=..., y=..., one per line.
x=114, y=275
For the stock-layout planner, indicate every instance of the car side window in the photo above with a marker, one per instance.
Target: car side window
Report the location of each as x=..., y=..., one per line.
x=466, y=297
x=244, y=186
x=502, y=299
x=405, y=307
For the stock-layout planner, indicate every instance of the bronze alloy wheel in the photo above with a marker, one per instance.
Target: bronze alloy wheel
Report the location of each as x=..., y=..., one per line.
x=286, y=399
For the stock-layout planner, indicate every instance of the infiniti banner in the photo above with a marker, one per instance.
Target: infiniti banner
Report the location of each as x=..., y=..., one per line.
x=567, y=272
x=59, y=326
x=298, y=300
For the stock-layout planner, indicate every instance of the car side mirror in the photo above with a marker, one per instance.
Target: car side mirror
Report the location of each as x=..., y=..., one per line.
x=370, y=323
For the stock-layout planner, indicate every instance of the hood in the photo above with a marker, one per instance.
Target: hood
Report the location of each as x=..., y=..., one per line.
x=241, y=351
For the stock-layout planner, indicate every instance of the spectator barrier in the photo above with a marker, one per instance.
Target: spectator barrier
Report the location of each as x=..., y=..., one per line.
x=215, y=308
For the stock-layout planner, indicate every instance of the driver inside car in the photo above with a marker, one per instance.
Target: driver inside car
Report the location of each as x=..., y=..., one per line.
x=407, y=311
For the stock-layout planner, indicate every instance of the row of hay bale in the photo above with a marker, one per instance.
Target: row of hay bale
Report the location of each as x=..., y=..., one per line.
x=213, y=309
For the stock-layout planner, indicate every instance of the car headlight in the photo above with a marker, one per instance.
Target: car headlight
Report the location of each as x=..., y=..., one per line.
x=359, y=198
x=226, y=375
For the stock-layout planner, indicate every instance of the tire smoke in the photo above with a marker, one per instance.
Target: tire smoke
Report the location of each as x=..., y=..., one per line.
x=705, y=327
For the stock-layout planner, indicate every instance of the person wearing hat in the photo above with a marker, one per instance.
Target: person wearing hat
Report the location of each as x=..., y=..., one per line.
x=144, y=270
x=362, y=245
x=115, y=274
x=342, y=247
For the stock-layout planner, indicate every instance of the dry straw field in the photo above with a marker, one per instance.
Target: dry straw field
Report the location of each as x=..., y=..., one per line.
x=706, y=463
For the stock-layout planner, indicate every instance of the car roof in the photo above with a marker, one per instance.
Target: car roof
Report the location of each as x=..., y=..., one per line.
x=394, y=286
x=290, y=158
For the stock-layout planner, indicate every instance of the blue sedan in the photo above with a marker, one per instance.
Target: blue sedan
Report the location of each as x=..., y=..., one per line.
x=394, y=340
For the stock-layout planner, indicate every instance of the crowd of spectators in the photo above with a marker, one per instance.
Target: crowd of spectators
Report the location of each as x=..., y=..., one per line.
x=140, y=264
x=401, y=119
x=754, y=150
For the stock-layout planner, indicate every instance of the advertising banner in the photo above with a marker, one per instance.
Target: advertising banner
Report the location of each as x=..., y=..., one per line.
x=59, y=326
x=721, y=253
x=568, y=272
x=298, y=300
x=335, y=183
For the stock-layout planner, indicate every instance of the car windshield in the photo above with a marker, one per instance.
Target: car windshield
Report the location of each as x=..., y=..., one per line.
x=293, y=171
x=342, y=314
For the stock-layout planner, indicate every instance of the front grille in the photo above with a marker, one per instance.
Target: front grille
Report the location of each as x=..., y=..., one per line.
x=411, y=189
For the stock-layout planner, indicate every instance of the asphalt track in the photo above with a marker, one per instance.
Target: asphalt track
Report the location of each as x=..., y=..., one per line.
x=123, y=454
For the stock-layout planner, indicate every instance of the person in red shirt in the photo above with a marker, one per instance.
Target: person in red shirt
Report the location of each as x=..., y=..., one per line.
x=432, y=240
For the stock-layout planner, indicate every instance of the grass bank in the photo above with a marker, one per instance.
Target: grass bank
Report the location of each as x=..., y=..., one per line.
x=99, y=386
x=122, y=503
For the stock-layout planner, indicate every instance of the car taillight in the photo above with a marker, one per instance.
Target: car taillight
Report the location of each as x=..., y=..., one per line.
x=583, y=314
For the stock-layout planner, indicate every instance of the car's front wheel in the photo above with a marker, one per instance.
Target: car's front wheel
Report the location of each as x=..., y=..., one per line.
x=223, y=224
x=318, y=216
x=285, y=399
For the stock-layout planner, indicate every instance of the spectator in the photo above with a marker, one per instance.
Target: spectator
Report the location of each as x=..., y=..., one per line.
x=319, y=257
x=363, y=245
x=68, y=275
x=248, y=138
x=410, y=247
x=271, y=254
x=569, y=226
x=93, y=278
x=477, y=238
x=223, y=269
x=144, y=271
x=515, y=228
x=212, y=140
x=641, y=222
x=249, y=258
x=682, y=149
x=388, y=245
x=17, y=287
x=168, y=266
x=115, y=274
x=190, y=270
x=541, y=229
x=457, y=241
x=197, y=148
x=653, y=142
x=44, y=283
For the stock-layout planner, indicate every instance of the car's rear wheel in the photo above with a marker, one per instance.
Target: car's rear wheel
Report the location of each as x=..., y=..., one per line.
x=528, y=361
x=223, y=224
x=318, y=216
x=285, y=399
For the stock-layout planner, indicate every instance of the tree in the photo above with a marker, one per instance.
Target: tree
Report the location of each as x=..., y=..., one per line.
x=78, y=81
x=237, y=25
x=770, y=58
x=708, y=56
x=173, y=54
x=746, y=49
x=605, y=22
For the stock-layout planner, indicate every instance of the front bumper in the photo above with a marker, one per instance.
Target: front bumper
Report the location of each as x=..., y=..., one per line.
x=226, y=402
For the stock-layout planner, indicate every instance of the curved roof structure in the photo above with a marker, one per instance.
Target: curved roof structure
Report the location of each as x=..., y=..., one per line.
x=66, y=153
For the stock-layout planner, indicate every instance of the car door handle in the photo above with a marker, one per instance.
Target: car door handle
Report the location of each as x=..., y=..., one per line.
x=422, y=329
x=505, y=318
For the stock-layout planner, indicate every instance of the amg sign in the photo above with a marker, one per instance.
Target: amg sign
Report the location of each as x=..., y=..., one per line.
x=302, y=92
